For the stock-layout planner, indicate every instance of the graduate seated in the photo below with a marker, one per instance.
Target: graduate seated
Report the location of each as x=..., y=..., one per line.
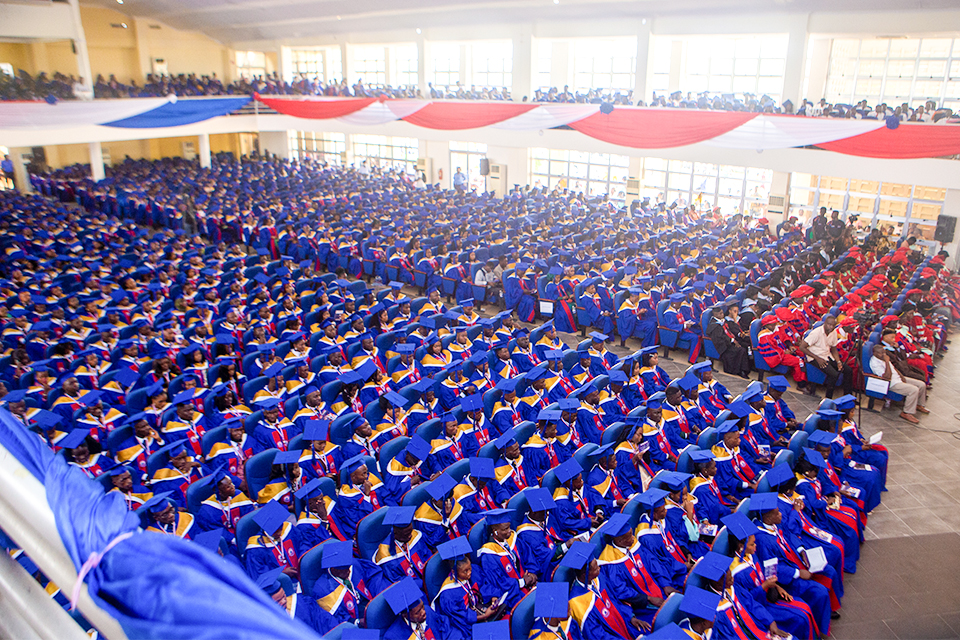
x=460, y=602
x=161, y=515
x=296, y=605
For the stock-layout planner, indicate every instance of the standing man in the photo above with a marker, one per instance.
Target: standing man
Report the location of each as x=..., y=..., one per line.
x=460, y=181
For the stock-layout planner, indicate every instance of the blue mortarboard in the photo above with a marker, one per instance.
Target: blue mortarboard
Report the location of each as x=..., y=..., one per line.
x=712, y=566
x=599, y=337
x=701, y=603
x=670, y=631
x=473, y=402
x=457, y=547
x=316, y=430
x=674, y=480
x=553, y=600
x=14, y=396
x=688, y=382
x=739, y=526
x=778, y=475
x=74, y=438
x=287, y=457
x=395, y=399
x=211, y=540
x=184, y=397
x=399, y=516
x=617, y=375
x=778, y=383
x=829, y=414
x=441, y=486
x=268, y=402
x=568, y=470
x=271, y=516
x=750, y=394
x=578, y=555
x=761, y=502
x=728, y=426
x=652, y=498
x=498, y=516
x=549, y=414
x=507, y=385
x=540, y=499
x=157, y=503
x=352, y=464
x=554, y=354
x=482, y=468
x=506, y=439
x=677, y=297
x=822, y=438
x=273, y=370
x=404, y=348
x=656, y=400
x=569, y=404
x=845, y=403
x=423, y=385
x=310, y=489
x=269, y=581
x=740, y=408
x=419, y=448
x=396, y=285
x=261, y=278
x=814, y=457
x=337, y=554
x=617, y=525
x=700, y=456
x=403, y=595
x=491, y=630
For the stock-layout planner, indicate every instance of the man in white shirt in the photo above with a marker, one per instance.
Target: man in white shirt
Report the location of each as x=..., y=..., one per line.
x=486, y=278
x=914, y=390
x=820, y=347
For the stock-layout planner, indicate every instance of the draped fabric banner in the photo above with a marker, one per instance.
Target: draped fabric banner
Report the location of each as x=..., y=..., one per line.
x=548, y=116
x=466, y=115
x=768, y=131
x=183, y=111
x=909, y=140
x=380, y=112
x=316, y=108
x=73, y=113
x=659, y=128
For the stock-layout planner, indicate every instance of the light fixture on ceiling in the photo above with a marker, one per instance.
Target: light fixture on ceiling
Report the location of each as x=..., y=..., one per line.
x=119, y=1
x=556, y=1
x=643, y=21
x=339, y=18
x=123, y=24
x=419, y=31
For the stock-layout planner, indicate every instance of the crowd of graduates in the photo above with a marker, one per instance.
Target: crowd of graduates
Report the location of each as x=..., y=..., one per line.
x=375, y=459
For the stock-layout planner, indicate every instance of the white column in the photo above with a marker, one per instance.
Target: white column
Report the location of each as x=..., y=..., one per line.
x=951, y=207
x=523, y=64
x=644, y=60
x=796, y=60
x=345, y=62
x=816, y=84
x=422, y=53
x=205, y=150
x=21, y=179
x=676, y=64
x=80, y=44
x=96, y=162
x=561, y=71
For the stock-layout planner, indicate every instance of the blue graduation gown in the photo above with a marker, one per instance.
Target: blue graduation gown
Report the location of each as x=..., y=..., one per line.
x=667, y=570
x=598, y=614
x=571, y=516
x=709, y=506
x=537, y=546
x=564, y=316
x=311, y=531
x=397, y=563
x=794, y=617
x=501, y=571
x=434, y=629
x=629, y=579
x=455, y=605
x=264, y=553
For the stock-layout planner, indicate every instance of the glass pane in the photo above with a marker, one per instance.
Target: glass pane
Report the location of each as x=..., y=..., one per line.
x=929, y=193
x=731, y=187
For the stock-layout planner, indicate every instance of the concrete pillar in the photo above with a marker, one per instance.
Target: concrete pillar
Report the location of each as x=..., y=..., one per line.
x=97, y=171
x=421, y=43
x=80, y=44
x=345, y=62
x=676, y=62
x=817, y=70
x=21, y=179
x=523, y=64
x=644, y=62
x=204, y=150
x=793, y=73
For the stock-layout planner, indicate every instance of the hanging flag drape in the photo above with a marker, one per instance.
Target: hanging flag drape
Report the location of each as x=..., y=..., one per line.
x=182, y=112
x=659, y=128
x=73, y=113
x=316, y=108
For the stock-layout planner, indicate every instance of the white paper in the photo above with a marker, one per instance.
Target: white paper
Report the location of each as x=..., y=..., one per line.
x=770, y=568
x=546, y=306
x=852, y=492
x=643, y=448
x=878, y=385
x=816, y=559
x=875, y=438
x=763, y=449
x=708, y=529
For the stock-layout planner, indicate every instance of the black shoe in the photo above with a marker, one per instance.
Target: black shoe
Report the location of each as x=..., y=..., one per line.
x=834, y=615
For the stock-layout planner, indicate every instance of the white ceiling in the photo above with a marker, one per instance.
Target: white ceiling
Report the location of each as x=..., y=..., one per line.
x=251, y=20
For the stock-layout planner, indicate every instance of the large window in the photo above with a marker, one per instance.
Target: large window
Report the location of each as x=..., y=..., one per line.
x=386, y=152
x=492, y=64
x=404, y=65
x=319, y=147
x=594, y=174
x=544, y=65
x=733, y=189
x=894, y=71
x=466, y=156
x=722, y=64
x=605, y=64
x=445, y=65
x=325, y=63
x=369, y=65
x=251, y=64
x=899, y=209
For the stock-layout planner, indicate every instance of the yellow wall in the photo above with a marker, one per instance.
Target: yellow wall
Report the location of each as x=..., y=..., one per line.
x=112, y=49
x=221, y=142
x=34, y=57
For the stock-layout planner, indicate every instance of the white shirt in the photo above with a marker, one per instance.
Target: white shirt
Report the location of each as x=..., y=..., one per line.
x=819, y=343
x=879, y=367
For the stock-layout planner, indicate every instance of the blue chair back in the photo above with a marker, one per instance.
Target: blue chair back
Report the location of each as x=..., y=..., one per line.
x=669, y=611
x=797, y=442
x=246, y=528
x=434, y=573
x=389, y=451
x=522, y=619
x=258, y=471
x=310, y=570
x=707, y=438
x=371, y=532
x=721, y=543
x=196, y=494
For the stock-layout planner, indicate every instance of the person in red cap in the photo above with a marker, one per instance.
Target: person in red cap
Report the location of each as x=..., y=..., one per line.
x=774, y=352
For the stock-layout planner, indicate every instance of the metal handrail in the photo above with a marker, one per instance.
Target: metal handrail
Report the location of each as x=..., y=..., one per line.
x=26, y=517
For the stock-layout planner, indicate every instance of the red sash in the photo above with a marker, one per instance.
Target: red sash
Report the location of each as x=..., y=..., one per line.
x=611, y=615
x=642, y=577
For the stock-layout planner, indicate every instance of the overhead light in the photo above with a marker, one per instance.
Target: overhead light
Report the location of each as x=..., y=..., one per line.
x=556, y=1
x=123, y=24
x=418, y=30
x=339, y=18
x=644, y=21
x=119, y=1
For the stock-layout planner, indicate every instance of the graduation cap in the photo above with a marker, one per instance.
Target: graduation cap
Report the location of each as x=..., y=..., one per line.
x=337, y=554
x=310, y=490
x=422, y=385
x=569, y=404
x=269, y=581
x=441, y=486
x=157, y=503
x=74, y=438
x=271, y=516
x=507, y=385
x=652, y=498
x=727, y=426
x=482, y=468
x=700, y=603
x=829, y=414
x=712, y=566
x=778, y=475
x=778, y=383
x=420, y=448
x=184, y=397
x=845, y=403
x=455, y=548
x=552, y=601
x=814, y=457
x=267, y=402
x=14, y=396
x=404, y=348
x=760, y=502
x=568, y=470
x=395, y=399
x=498, y=516
x=287, y=457
x=549, y=414
x=492, y=630
x=540, y=499
x=273, y=370
x=352, y=464
x=599, y=337
x=473, y=402
x=701, y=456
x=739, y=526
x=578, y=555
x=399, y=516
x=211, y=540
x=316, y=430
x=553, y=354
x=688, y=382
x=822, y=438
x=402, y=596
x=617, y=525
x=675, y=480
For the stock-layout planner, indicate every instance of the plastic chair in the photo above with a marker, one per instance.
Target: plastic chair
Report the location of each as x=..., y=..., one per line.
x=669, y=611
x=371, y=532
x=389, y=451
x=434, y=573
x=258, y=471
x=522, y=618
